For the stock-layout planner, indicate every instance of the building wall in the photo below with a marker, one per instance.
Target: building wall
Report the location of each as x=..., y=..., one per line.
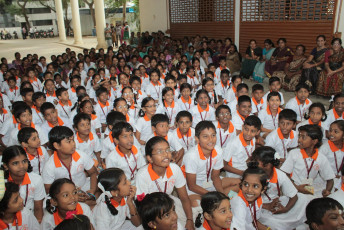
x=154, y=15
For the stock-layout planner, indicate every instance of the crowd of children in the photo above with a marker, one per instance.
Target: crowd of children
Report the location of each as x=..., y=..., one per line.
x=108, y=141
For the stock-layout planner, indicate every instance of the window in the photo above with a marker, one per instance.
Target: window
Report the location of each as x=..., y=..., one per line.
x=42, y=23
x=38, y=11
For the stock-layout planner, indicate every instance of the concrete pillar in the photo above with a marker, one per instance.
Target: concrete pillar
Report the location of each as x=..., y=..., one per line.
x=60, y=20
x=76, y=22
x=237, y=23
x=100, y=23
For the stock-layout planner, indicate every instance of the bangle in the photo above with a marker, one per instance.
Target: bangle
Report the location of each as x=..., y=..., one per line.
x=189, y=219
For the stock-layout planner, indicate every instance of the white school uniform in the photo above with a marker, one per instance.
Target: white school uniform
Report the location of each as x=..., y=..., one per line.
x=198, y=114
x=37, y=116
x=155, y=90
x=6, y=115
x=170, y=138
x=90, y=147
x=276, y=140
x=299, y=109
x=244, y=213
x=222, y=89
x=37, y=162
x=265, y=99
x=233, y=104
x=112, y=96
x=186, y=141
x=213, y=96
x=192, y=81
x=26, y=220
x=224, y=136
x=12, y=94
x=144, y=126
x=217, y=74
x=103, y=110
x=6, y=101
x=194, y=162
x=54, y=169
x=186, y=105
x=36, y=84
x=133, y=112
x=322, y=125
x=237, y=120
x=339, y=195
x=237, y=152
x=47, y=126
x=130, y=165
x=72, y=95
x=7, y=126
x=317, y=165
x=332, y=116
x=145, y=81
x=268, y=120
x=108, y=146
x=230, y=94
x=257, y=107
x=64, y=111
x=170, y=111
x=50, y=221
x=140, y=97
x=51, y=98
x=14, y=135
x=95, y=123
x=335, y=157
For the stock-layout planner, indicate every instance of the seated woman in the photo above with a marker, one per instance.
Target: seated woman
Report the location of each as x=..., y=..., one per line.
x=252, y=55
x=233, y=59
x=314, y=64
x=279, y=58
x=258, y=72
x=331, y=79
x=291, y=75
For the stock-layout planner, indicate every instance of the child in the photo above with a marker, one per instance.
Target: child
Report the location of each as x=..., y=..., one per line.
x=171, y=81
x=75, y=81
x=36, y=83
x=222, y=66
x=225, y=128
x=75, y=222
x=4, y=114
x=300, y=103
x=38, y=99
x=19, y=171
x=64, y=106
x=49, y=87
x=184, y=133
x=217, y=212
x=202, y=111
x=185, y=100
x=274, y=86
x=230, y=95
x=120, y=105
x=68, y=163
x=128, y=95
x=85, y=140
x=13, y=214
x=126, y=156
x=269, y=115
x=87, y=107
x=143, y=124
x=103, y=106
x=37, y=154
x=160, y=175
x=336, y=109
x=283, y=207
x=135, y=83
x=284, y=138
x=306, y=164
x=154, y=88
x=26, y=96
x=224, y=85
x=13, y=90
x=247, y=205
x=242, y=89
x=239, y=149
x=191, y=79
x=333, y=149
x=63, y=204
x=257, y=98
x=168, y=106
x=208, y=85
x=242, y=111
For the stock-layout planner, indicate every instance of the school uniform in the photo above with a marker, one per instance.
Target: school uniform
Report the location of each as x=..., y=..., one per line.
x=198, y=114
x=64, y=111
x=257, y=106
x=304, y=168
x=186, y=141
x=14, y=135
x=108, y=146
x=144, y=81
x=233, y=104
x=265, y=99
x=276, y=140
x=24, y=220
x=174, y=144
x=51, y=98
x=72, y=95
x=171, y=111
x=186, y=105
x=140, y=96
x=6, y=101
x=221, y=89
x=133, y=112
x=144, y=126
x=339, y=195
x=90, y=147
x=54, y=169
x=6, y=115
x=321, y=124
x=245, y=215
x=194, y=162
x=37, y=116
x=130, y=165
x=103, y=110
x=299, y=109
x=224, y=136
x=47, y=126
x=12, y=93
x=192, y=81
x=268, y=120
x=237, y=120
x=7, y=126
x=230, y=94
x=50, y=221
x=332, y=116
x=213, y=97
x=38, y=161
x=237, y=152
x=217, y=74
x=112, y=96
x=155, y=90
x=36, y=84
x=95, y=123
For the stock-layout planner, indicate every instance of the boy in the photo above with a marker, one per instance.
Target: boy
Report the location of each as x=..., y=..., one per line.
x=103, y=107
x=224, y=85
x=274, y=86
x=61, y=139
x=37, y=154
x=239, y=150
x=13, y=90
x=75, y=81
x=243, y=110
x=170, y=81
x=64, y=105
x=191, y=79
x=269, y=115
x=126, y=156
x=300, y=103
x=242, y=89
x=225, y=129
x=26, y=94
x=222, y=66
x=182, y=78
x=38, y=99
x=36, y=83
x=257, y=98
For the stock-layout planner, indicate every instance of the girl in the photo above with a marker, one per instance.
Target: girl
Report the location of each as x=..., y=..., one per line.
x=87, y=107
x=19, y=171
x=185, y=101
x=225, y=130
x=4, y=113
x=77, y=222
x=154, y=88
x=208, y=85
x=76, y=108
x=333, y=149
x=202, y=111
x=128, y=95
x=171, y=81
x=168, y=106
x=139, y=95
x=120, y=105
x=49, y=87
x=336, y=109
x=191, y=79
x=199, y=70
x=216, y=212
x=63, y=204
x=13, y=215
x=116, y=203
x=143, y=124
x=283, y=207
x=230, y=94
x=247, y=205
x=306, y=164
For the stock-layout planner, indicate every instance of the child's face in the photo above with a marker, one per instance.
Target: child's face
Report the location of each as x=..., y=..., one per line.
x=169, y=97
x=136, y=85
x=75, y=83
x=302, y=94
x=242, y=91
x=222, y=63
x=249, y=132
x=126, y=139
x=167, y=221
x=267, y=167
x=12, y=84
x=122, y=107
x=335, y=133
x=38, y=103
x=170, y=83
x=224, y=116
x=123, y=79
x=203, y=100
x=286, y=126
x=224, y=78
x=186, y=92
x=31, y=74
x=48, y=76
x=191, y=72
x=103, y=97
x=128, y=95
x=28, y=97
x=51, y=115
x=315, y=115
x=154, y=77
x=306, y=141
x=84, y=127
x=251, y=187
x=184, y=124
x=207, y=139
x=64, y=96
x=58, y=80
x=258, y=94
x=15, y=203
x=123, y=187
x=67, y=198
x=274, y=103
x=25, y=118
x=88, y=108
x=161, y=155
x=236, y=82
x=209, y=86
x=182, y=81
x=17, y=165
x=244, y=108
x=161, y=129
x=150, y=108
x=212, y=69
x=34, y=141
x=222, y=216
x=332, y=220
x=67, y=146
x=275, y=86
x=113, y=83
x=339, y=105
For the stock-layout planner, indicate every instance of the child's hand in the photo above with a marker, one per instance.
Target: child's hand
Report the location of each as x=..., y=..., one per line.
x=302, y=188
x=132, y=192
x=325, y=193
x=82, y=196
x=279, y=209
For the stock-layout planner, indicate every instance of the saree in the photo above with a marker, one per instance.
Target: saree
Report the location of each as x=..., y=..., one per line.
x=233, y=62
x=248, y=65
x=270, y=68
x=331, y=85
x=258, y=72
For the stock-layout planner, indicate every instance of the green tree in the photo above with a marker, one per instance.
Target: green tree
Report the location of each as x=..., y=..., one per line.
x=111, y=5
x=17, y=8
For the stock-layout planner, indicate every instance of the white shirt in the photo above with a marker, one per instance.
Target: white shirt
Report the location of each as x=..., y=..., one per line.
x=185, y=105
x=265, y=99
x=102, y=111
x=14, y=135
x=12, y=94
x=91, y=146
x=27, y=221
x=186, y=141
x=198, y=114
x=155, y=91
x=144, y=126
x=37, y=117
x=222, y=89
x=64, y=111
x=192, y=81
x=338, y=196
x=223, y=137
x=36, y=84
x=276, y=140
x=170, y=111
x=6, y=102
x=332, y=116
x=46, y=126
x=230, y=95
x=51, y=98
x=299, y=109
x=72, y=95
x=268, y=120
x=322, y=125
x=37, y=162
x=217, y=76
x=237, y=120
x=257, y=107
x=6, y=115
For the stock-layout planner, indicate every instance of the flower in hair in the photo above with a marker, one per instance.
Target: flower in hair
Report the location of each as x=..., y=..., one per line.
x=140, y=197
x=70, y=214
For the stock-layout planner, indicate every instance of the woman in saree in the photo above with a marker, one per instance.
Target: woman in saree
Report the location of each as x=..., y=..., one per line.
x=253, y=54
x=291, y=75
x=279, y=58
x=259, y=69
x=233, y=60
x=331, y=79
x=314, y=64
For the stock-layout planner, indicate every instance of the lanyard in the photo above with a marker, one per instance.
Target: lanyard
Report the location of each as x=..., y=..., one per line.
x=341, y=165
x=16, y=220
x=3, y=118
x=278, y=191
x=222, y=143
x=206, y=112
x=284, y=148
x=158, y=186
x=208, y=170
x=27, y=194
x=41, y=118
x=64, y=110
x=248, y=154
x=107, y=110
x=131, y=170
x=309, y=169
x=37, y=86
x=273, y=119
x=186, y=108
x=68, y=169
x=186, y=142
x=254, y=215
x=300, y=113
x=169, y=117
x=157, y=92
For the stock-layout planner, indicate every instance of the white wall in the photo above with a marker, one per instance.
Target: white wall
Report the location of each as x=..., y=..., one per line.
x=154, y=15
x=341, y=21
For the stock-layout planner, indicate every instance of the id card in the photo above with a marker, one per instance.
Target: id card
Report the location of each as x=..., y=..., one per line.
x=207, y=184
x=308, y=181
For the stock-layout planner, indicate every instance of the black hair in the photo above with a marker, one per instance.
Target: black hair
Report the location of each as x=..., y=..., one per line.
x=202, y=125
x=152, y=142
x=274, y=94
x=334, y=100
x=159, y=118
x=10, y=153
x=268, y=41
x=110, y=179
x=154, y=205
x=317, y=105
x=225, y=71
x=205, y=81
x=134, y=78
x=120, y=127
x=143, y=104
x=265, y=154
x=19, y=110
x=117, y=100
x=273, y=79
x=340, y=124
x=282, y=39
x=302, y=86
x=113, y=117
x=314, y=132
x=59, y=133
x=154, y=71
x=243, y=98
x=198, y=94
x=181, y=76
x=25, y=133
x=60, y=91
x=287, y=114
x=54, y=190
x=37, y=95
x=242, y=86
x=183, y=113
x=302, y=46
x=253, y=121
x=74, y=77
x=254, y=169
x=218, y=109
x=78, y=222
x=256, y=87
x=79, y=117
x=236, y=77
x=81, y=103
x=79, y=88
x=184, y=86
x=10, y=188
x=45, y=106
x=25, y=91
x=164, y=92
x=317, y=208
x=336, y=39
x=101, y=90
